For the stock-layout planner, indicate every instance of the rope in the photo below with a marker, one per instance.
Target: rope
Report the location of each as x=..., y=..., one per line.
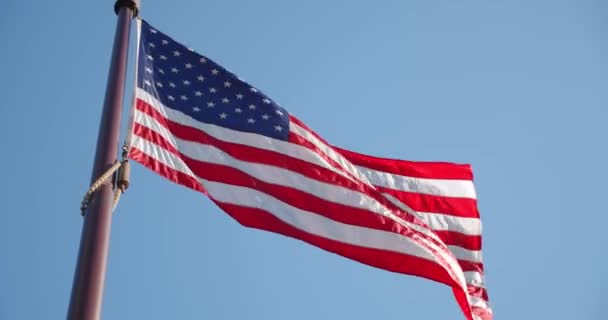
x=122, y=180
x=117, y=195
x=104, y=178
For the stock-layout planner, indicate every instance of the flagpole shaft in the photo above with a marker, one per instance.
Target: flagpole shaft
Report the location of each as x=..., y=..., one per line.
x=87, y=288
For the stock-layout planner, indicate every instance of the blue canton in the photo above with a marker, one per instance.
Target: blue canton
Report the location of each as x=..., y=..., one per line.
x=195, y=85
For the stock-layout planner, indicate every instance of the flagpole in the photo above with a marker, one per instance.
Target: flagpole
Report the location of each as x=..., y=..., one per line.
x=87, y=287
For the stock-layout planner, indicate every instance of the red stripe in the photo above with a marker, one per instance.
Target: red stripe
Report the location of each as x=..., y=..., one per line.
x=297, y=198
x=296, y=139
x=453, y=238
x=389, y=260
x=459, y=207
x=260, y=219
x=165, y=171
x=151, y=135
x=304, y=126
x=471, y=266
x=430, y=170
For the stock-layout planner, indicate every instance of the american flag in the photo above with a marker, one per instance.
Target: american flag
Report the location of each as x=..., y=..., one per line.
x=199, y=125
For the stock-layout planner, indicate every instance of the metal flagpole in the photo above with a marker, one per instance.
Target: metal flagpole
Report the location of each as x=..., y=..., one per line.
x=87, y=288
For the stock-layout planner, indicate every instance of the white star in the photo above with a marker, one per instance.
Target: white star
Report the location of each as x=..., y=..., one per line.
x=176, y=53
x=183, y=97
x=197, y=109
x=150, y=57
x=190, y=49
x=210, y=104
x=225, y=100
x=252, y=89
x=165, y=42
x=198, y=93
x=163, y=57
x=174, y=70
x=266, y=101
x=227, y=84
x=238, y=110
x=153, y=31
x=171, y=84
x=203, y=60
x=215, y=71
x=279, y=112
x=161, y=70
x=252, y=107
x=265, y=116
x=188, y=66
x=223, y=115
x=159, y=84
x=171, y=98
x=239, y=96
x=251, y=120
x=278, y=128
x=212, y=90
x=200, y=77
x=148, y=70
x=147, y=83
x=152, y=45
x=186, y=82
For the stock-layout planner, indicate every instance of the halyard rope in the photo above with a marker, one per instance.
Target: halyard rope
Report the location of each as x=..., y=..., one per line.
x=121, y=185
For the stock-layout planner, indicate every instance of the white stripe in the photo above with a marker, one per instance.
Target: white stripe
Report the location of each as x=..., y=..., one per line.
x=316, y=224
x=161, y=155
x=464, y=254
x=171, y=160
x=475, y=278
x=329, y=151
x=153, y=124
x=444, y=222
x=438, y=187
x=234, y=136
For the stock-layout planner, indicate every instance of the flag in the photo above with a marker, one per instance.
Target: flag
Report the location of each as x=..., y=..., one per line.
x=199, y=125
x=443, y=196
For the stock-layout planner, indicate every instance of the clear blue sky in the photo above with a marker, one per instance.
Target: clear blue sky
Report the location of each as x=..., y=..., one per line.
x=516, y=88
